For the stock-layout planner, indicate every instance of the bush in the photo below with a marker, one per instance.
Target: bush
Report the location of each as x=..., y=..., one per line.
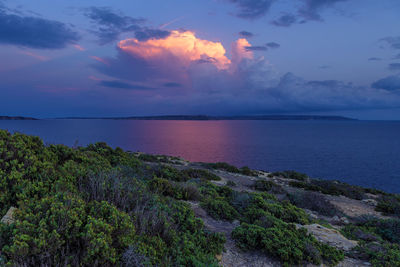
x=315, y=202
x=202, y=174
x=389, y=205
x=220, y=209
x=231, y=183
x=230, y=168
x=334, y=188
x=285, y=242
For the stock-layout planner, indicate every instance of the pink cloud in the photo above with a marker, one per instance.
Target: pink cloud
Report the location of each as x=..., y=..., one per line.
x=99, y=59
x=34, y=55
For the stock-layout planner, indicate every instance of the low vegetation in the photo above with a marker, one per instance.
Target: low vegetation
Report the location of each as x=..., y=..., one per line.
x=230, y=168
x=99, y=206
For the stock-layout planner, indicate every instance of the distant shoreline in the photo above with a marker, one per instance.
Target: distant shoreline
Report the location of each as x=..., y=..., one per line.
x=16, y=118
x=214, y=118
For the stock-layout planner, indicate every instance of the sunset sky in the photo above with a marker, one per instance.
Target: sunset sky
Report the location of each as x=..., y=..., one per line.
x=215, y=57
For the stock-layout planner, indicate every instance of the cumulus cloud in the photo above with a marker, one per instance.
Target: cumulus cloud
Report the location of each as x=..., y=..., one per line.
x=389, y=83
x=194, y=74
x=34, y=32
x=252, y=9
x=110, y=25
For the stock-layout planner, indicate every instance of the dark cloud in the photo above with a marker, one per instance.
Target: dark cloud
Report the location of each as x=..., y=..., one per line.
x=394, y=66
x=252, y=9
x=110, y=25
x=312, y=8
x=146, y=34
x=172, y=84
x=285, y=20
x=246, y=34
x=389, y=83
x=34, y=32
x=393, y=42
x=256, y=48
x=273, y=45
x=123, y=85
x=374, y=59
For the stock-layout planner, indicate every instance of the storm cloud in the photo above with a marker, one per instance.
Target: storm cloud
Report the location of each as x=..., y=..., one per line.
x=34, y=32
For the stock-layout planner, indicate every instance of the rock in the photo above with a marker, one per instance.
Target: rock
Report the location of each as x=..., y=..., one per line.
x=8, y=218
x=331, y=237
x=369, y=201
x=344, y=220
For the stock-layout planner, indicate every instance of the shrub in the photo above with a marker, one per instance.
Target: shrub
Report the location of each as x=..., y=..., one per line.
x=335, y=188
x=230, y=168
x=315, y=202
x=202, y=174
x=389, y=205
x=231, y=183
x=220, y=209
x=285, y=242
x=290, y=175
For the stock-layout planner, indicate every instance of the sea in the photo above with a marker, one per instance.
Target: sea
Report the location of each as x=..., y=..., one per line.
x=365, y=153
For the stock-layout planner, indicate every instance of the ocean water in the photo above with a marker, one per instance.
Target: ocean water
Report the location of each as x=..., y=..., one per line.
x=365, y=153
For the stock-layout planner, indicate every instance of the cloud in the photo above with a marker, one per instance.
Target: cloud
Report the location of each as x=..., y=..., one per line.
x=374, y=59
x=246, y=34
x=392, y=41
x=273, y=45
x=312, y=8
x=110, y=25
x=146, y=34
x=394, y=66
x=256, y=48
x=252, y=9
x=396, y=57
x=389, y=83
x=195, y=75
x=284, y=20
x=172, y=84
x=123, y=85
x=34, y=32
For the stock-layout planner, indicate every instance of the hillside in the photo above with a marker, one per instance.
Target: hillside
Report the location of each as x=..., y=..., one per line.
x=98, y=206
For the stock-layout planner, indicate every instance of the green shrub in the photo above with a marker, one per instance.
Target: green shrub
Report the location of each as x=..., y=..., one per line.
x=389, y=205
x=230, y=168
x=231, y=183
x=285, y=242
x=202, y=174
x=220, y=209
x=334, y=188
x=315, y=202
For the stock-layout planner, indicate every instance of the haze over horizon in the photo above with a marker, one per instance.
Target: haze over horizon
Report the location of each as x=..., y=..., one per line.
x=214, y=57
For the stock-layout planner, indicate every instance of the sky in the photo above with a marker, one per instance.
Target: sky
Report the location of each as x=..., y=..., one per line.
x=215, y=57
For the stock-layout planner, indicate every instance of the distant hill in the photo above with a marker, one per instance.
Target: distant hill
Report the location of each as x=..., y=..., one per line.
x=16, y=118
x=205, y=117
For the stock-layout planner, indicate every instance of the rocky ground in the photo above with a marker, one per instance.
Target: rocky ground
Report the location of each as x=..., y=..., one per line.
x=233, y=256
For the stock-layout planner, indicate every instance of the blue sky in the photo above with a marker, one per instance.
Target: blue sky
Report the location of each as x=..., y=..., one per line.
x=230, y=57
